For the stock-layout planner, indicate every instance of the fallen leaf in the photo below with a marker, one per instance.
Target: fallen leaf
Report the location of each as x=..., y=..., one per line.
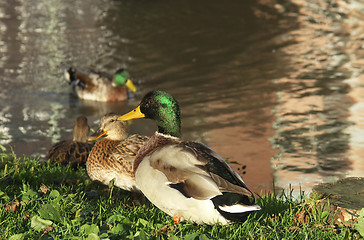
x=300, y=218
x=44, y=189
x=39, y=224
x=164, y=229
x=12, y=207
x=47, y=229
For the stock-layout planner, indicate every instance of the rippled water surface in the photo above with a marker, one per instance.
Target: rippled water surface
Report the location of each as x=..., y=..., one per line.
x=277, y=86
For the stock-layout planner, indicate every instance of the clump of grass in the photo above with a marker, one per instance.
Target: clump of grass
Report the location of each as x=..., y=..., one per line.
x=50, y=201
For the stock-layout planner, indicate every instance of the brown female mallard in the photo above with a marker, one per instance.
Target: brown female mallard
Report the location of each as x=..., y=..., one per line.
x=112, y=157
x=75, y=151
x=186, y=180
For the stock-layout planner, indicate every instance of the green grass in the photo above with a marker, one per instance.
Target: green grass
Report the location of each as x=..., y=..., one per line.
x=50, y=201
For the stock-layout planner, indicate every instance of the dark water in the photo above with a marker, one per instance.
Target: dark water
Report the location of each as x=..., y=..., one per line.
x=273, y=85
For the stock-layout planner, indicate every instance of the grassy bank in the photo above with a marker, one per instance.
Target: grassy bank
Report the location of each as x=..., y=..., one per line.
x=45, y=201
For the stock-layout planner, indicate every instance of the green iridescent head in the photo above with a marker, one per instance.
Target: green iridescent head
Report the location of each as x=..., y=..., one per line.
x=122, y=78
x=162, y=108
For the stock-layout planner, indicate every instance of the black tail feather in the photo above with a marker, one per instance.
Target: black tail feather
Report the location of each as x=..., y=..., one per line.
x=231, y=199
x=71, y=74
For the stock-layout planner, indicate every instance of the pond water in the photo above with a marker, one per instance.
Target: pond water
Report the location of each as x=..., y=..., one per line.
x=277, y=86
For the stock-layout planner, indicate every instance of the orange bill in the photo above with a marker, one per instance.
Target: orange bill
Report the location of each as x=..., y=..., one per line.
x=99, y=133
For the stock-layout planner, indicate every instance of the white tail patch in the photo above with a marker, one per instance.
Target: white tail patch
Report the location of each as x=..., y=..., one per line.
x=237, y=208
x=67, y=75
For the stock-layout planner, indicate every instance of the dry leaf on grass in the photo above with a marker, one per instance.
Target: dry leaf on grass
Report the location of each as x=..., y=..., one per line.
x=164, y=229
x=12, y=207
x=44, y=189
x=47, y=229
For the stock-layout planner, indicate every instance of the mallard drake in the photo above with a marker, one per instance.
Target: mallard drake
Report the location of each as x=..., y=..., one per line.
x=100, y=87
x=112, y=157
x=75, y=151
x=185, y=179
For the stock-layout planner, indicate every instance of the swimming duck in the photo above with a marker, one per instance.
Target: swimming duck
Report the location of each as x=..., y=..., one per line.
x=112, y=157
x=100, y=87
x=185, y=179
x=75, y=151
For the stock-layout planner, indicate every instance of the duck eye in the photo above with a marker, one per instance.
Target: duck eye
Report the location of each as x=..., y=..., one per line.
x=150, y=101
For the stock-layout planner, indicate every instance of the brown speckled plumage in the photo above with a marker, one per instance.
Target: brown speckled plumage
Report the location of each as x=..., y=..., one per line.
x=112, y=157
x=75, y=151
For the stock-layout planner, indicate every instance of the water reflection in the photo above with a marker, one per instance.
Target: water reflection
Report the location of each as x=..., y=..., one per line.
x=356, y=82
x=312, y=112
x=35, y=42
x=270, y=85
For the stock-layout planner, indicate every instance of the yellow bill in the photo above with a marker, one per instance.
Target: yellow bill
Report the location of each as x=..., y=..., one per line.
x=133, y=114
x=129, y=84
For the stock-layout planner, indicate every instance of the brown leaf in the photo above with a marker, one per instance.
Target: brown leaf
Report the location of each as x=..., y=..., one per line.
x=300, y=218
x=47, y=229
x=12, y=207
x=44, y=189
x=164, y=229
